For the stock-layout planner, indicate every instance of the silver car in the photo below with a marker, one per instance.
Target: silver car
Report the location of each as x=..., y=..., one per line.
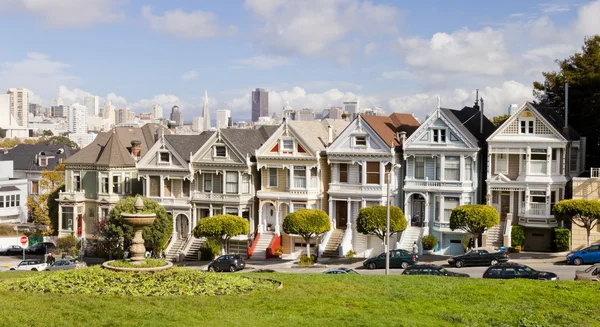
x=64, y=264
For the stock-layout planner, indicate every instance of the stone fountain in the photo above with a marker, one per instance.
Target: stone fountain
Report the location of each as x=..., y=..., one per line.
x=138, y=221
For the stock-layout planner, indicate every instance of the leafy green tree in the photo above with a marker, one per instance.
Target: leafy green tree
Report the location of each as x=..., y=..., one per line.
x=221, y=228
x=37, y=205
x=60, y=140
x=582, y=71
x=474, y=219
x=499, y=120
x=68, y=244
x=372, y=220
x=307, y=223
x=2, y=133
x=53, y=208
x=583, y=213
x=155, y=236
x=109, y=238
x=48, y=132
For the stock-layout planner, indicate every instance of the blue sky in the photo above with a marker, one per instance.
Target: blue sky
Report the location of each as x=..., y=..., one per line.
x=399, y=55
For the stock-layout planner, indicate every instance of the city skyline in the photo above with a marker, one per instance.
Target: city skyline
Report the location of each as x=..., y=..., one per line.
x=378, y=52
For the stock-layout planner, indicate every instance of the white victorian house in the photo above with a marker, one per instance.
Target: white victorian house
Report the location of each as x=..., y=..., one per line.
x=443, y=171
x=531, y=160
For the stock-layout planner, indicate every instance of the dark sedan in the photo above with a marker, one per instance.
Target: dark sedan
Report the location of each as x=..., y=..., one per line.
x=41, y=248
x=433, y=270
x=12, y=250
x=511, y=270
x=398, y=259
x=478, y=258
x=227, y=262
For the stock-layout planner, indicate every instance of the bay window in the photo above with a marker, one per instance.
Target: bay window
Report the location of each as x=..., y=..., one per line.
x=246, y=183
x=314, y=181
x=420, y=167
x=299, y=177
x=343, y=173
x=213, y=183
x=154, y=186
x=452, y=169
x=76, y=182
x=449, y=204
x=116, y=185
x=67, y=218
x=372, y=172
x=231, y=182
x=501, y=163
x=104, y=183
x=468, y=169
x=272, y=177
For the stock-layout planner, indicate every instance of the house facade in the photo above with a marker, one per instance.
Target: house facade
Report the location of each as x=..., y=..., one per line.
x=443, y=159
x=587, y=188
x=360, y=159
x=13, y=196
x=100, y=175
x=530, y=163
x=294, y=175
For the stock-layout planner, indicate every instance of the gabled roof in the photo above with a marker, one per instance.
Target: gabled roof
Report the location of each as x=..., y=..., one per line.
x=551, y=114
x=388, y=127
x=469, y=117
x=247, y=141
x=113, y=148
x=24, y=155
x=186, y=144
x=315, y=133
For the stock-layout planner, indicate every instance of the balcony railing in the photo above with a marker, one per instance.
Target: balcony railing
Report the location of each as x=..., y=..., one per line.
x=171, y=201
x=535, y=209
x=437, y=184
x=76, y=196
x=594, y=172
x=357, y=189
x=217, y=197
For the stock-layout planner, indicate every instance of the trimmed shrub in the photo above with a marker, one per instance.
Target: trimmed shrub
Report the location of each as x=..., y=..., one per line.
x=68, y=244
x=562, y=237
x=373, y=220
x=429, y=242
x=474, y=219
x=210, y=250
x=307, y=261
x=221, y=228
x=307, y=223
x=517, y=236
x=350, y=254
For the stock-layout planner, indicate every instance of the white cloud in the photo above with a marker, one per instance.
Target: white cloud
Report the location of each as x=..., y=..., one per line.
x=72, y=13
x=192, y=74
x=116, y=100
x=370, y=48
x=262, y=62
x=398, y=74
x=70, y=96
x=588, y=22
x=317, y=27
x=193, y=25
x=550, y=8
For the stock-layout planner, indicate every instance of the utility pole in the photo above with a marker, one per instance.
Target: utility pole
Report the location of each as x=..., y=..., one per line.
x=387, y=224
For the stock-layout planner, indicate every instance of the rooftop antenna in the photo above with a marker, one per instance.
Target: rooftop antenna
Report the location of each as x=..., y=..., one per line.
x=476, y=98
x=439, y=102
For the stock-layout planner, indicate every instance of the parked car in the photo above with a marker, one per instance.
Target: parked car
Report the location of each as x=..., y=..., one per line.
x=478, y=258
x=41, y=248
x=592, y=273
x=64, y=264
x=227, y=262
x=429, y=269
x=588, y=255
x=511, y=270
x=398, y=259
x=12, y=250
x=30, y=264
x=341, y=271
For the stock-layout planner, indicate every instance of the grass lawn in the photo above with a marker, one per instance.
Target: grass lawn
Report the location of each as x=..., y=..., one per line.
x=325, y=300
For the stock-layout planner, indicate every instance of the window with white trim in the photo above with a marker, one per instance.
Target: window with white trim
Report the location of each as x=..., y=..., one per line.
x=186, y=185
x=167, y=187
x=76, y=182
x=272, y=177
x=246, y=183
x=449, y=204
x=116, y=185
x=468, y=169
x=164, y=157
x=452, y=169
x=213, y=183
x=360, y=140
x=299, y=177
x=231, y=182
x=231, y=211
x=287, y=145
x=104, y=183
x=343, y=173
x=299, y=206
x=220, y=151
x=127, y=183
x=439, y=136
x=154, y=186
x=527, y=126
x=419, y=167
x=501, y=163
x=314, y=181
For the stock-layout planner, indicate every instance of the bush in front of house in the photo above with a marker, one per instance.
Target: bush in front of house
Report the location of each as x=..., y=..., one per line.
x=209, y=250
x=562, y=237
x=517, y=236
x=429, y=242
x=306, y=260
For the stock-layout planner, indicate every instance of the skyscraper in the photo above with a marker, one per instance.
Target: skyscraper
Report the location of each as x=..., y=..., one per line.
x=19, y=105
x=223, y=117
x=352, y=107
x=157, y=111
x=124, y=115
x=176, y=116
x=206, y=113
x=78, y=119
x=198, y=124
x=260, y=104
x=109, y=115
x=93, y=105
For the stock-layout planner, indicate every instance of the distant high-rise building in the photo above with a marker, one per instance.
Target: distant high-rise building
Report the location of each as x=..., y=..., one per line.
x=146, y=116
x=176, y=116
x=109, y=115
x=260, y=104
x=48, y=112
x=19, y=105
x=58, y=101
x=333, y=113
x=197, y=124
x=124, y=115
x=35, y=109
x=206, y=113
x=223, y=117
x=59, y=111
x=352, y=107
x=157, y=111
x=93, y=105
x=78, y=119
x=305, y=115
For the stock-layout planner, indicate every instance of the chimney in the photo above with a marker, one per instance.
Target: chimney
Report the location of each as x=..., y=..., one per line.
x=476, y=105
x=330, y=135
x=566, y=128
x=481, y=118
x=401, y=137
x=136, y=148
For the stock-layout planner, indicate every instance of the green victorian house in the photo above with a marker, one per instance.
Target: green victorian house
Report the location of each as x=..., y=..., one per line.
x=100, y=175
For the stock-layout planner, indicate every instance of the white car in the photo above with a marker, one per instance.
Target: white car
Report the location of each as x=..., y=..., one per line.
x=30, y=265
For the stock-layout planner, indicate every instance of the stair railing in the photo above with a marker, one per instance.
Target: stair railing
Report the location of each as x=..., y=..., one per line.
x=346, y=244
x=170, y=243
x=324, y=241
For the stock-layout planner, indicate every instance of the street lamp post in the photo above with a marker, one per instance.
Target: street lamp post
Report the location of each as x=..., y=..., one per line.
x=387, y=220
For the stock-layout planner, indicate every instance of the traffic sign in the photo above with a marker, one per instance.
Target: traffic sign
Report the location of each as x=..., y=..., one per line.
x=24, y=240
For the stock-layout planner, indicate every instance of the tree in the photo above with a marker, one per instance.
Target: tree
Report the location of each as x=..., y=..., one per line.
x=9, y=143
x=109, y=237
x=38, y=205
x=221, y=228
x=155, y=236
x=68, y=244
x=474, y=219
x=307, y=223
x=60, y=140
x=499, y=120
x=48, y=132
x=2, y=133
x=53, y=205
x=582, y=71
x=583, y=213
x=372, y=220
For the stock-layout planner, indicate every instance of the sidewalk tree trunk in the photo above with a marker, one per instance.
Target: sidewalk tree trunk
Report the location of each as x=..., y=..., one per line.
x=307, y=223
x=583, y=213
x=372, y=221
x=474, y=219
x=221, y=228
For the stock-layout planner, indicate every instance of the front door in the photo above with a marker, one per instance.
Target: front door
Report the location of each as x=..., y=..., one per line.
x=341, y=212
x=418, y=211
x=504, y=205
x=181, y=225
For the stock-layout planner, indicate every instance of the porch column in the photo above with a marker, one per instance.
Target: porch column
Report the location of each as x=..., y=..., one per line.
x=426, y=223
x=526, y=208
x=175, y=233
x=564, y=160
x=461, y=168
x=512, y=202
x=331, y=214
x=549, y=161
x=382, y=179
x=528, y=161
x=147, y=183
x=60, y=227
x=277, y=220
x=349, y=213
x=441, y=209
x=548, y=197
x=441, y=173
x=364, y=172
x=260, y=220
x=291, y=181
x=408, y=212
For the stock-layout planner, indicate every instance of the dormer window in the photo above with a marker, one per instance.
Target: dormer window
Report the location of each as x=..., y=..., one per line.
x=526, y=126
x=439, y=136
x=220, y=151
x=43, y=162
x=164, y=157
x=360, y=140
x=287, y=145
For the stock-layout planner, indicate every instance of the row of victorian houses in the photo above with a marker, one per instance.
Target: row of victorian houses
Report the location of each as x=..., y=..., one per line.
x=454, y=157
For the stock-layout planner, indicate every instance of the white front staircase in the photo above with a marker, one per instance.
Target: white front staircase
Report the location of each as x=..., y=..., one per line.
x=192, y=252
x=495, y=236
x=175, y=248
x=332, y=246
x=260, y=251
x=409, y=237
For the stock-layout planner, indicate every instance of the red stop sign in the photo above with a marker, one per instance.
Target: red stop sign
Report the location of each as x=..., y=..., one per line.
x=24, y=240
